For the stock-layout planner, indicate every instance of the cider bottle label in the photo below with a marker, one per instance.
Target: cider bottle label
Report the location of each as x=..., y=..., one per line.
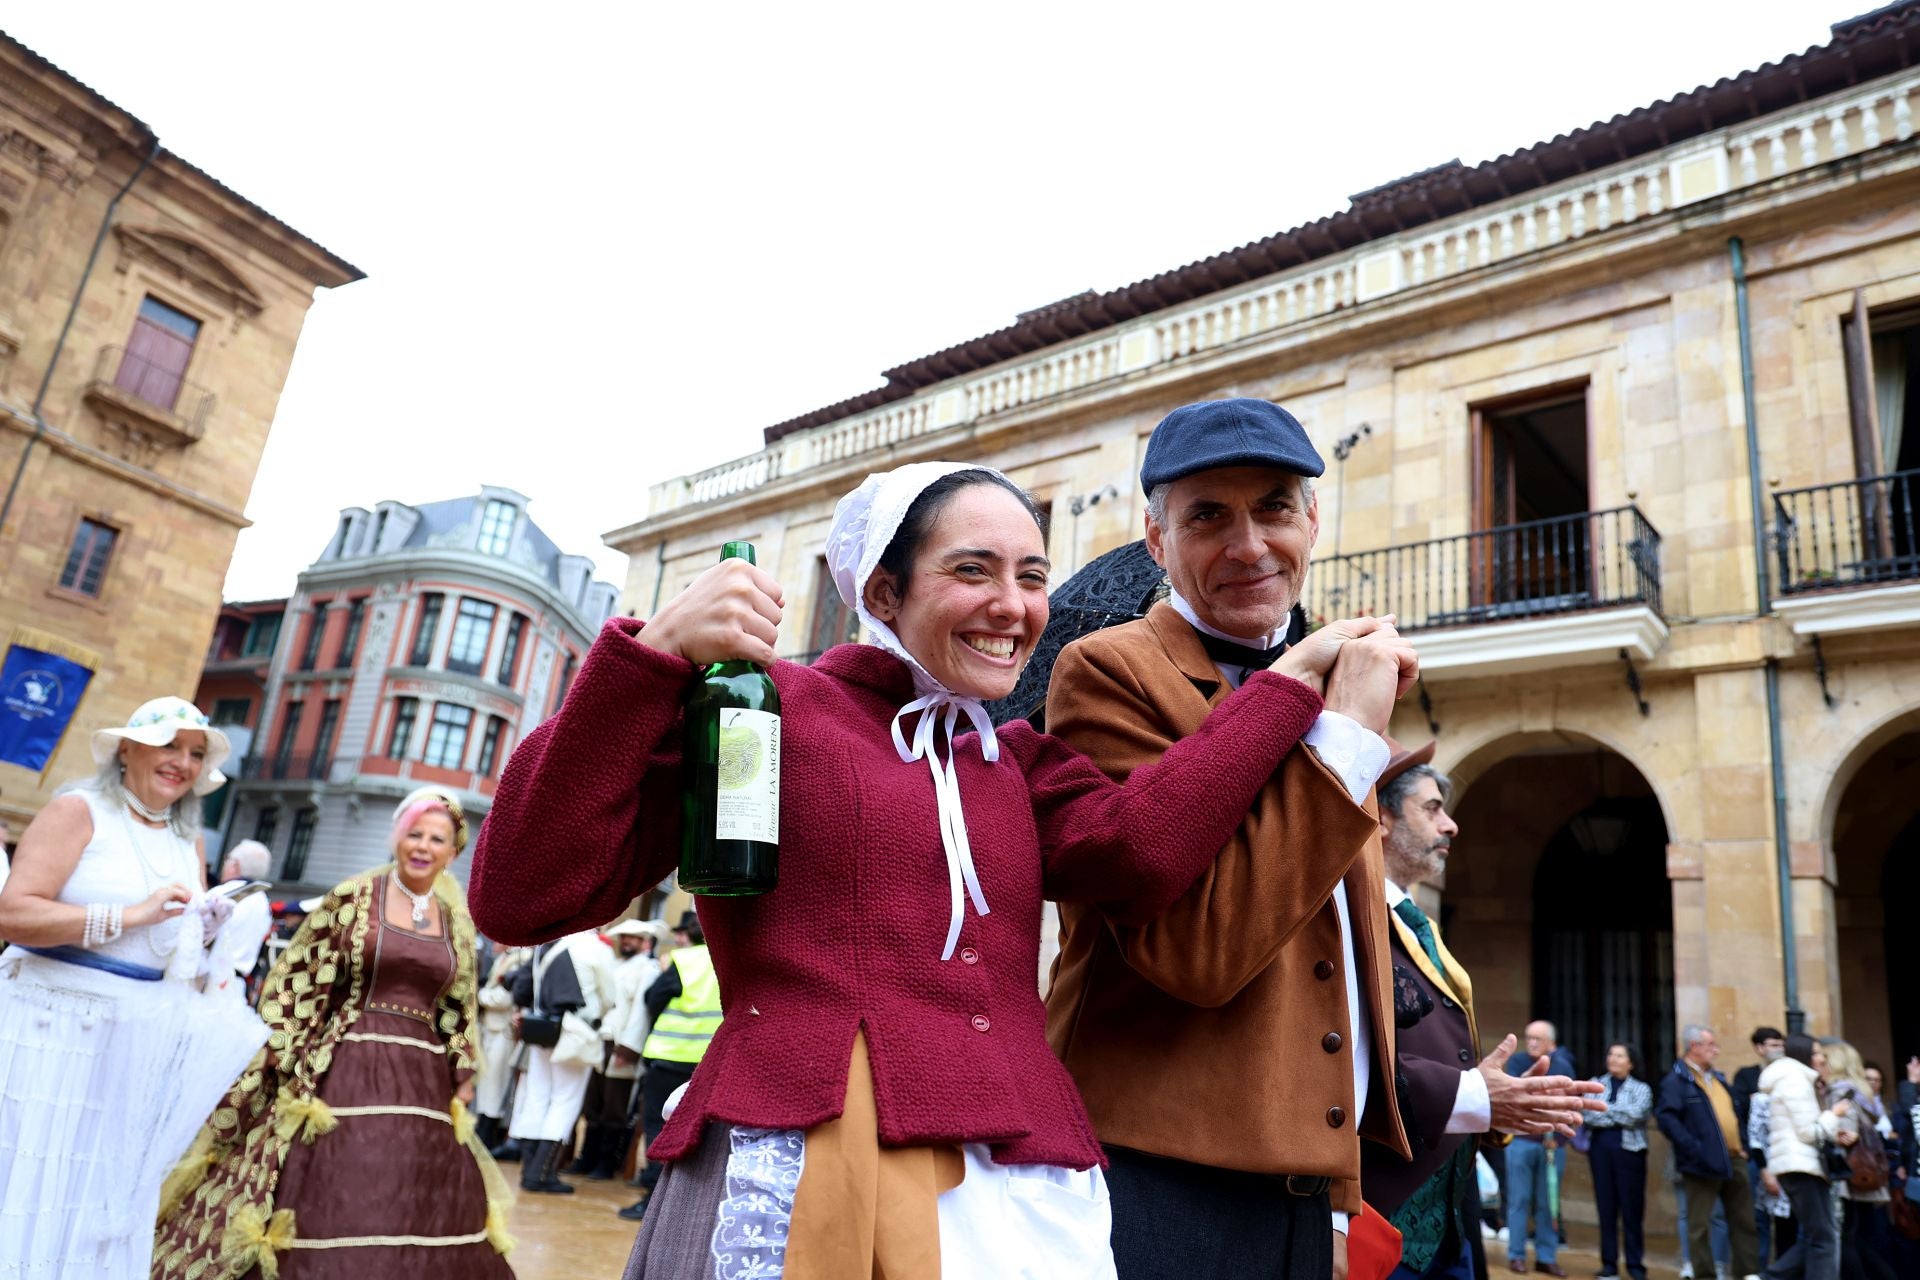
x=747, y=800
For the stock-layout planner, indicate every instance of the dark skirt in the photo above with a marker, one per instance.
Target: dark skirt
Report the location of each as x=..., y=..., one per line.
x=676, y=1240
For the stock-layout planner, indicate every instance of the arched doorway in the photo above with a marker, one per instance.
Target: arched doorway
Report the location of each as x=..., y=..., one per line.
x=1876, y=847
x=1557, y=901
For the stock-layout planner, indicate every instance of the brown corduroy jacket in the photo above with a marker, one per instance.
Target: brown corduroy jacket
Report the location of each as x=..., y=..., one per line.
x=1218, y=1033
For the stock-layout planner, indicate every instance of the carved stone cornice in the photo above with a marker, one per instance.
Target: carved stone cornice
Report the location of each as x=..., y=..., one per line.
x=192, y=262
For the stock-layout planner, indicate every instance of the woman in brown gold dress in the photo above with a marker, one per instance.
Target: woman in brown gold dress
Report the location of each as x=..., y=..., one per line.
x=346, y=1151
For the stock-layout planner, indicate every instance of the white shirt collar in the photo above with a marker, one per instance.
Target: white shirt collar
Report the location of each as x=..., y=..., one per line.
x=1185, y=610
x=1395, y=894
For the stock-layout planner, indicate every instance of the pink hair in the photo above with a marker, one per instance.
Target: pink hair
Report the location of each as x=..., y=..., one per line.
x=420, y=809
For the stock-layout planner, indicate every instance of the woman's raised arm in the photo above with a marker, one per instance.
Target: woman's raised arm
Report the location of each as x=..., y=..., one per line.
x=587, y=814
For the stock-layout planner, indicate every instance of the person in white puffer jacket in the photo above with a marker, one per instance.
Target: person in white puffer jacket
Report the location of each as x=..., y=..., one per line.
x=1799, y=1127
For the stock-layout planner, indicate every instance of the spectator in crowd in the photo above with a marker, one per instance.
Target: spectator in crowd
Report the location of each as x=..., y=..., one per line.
x=684, y=1005
x=633, y=968
x=493, y=1100
x=1617, y=1151
x=1799, y=1131
x=1772, y=1211
x=1768, y=1043
x=557, y=993
x=1862, y=1131
x=1527, y=1158
x=1696, y=1113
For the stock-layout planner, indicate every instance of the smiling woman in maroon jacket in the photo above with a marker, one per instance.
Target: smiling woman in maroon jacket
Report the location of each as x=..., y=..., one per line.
x=880, y=1097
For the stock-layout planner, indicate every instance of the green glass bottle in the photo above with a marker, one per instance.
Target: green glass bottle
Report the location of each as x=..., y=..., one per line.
x=730, y=777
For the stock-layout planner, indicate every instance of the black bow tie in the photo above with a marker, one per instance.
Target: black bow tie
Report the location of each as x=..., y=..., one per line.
x=1229, y=654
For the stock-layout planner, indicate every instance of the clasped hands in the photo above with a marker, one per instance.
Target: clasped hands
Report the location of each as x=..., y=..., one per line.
x=1360, y=666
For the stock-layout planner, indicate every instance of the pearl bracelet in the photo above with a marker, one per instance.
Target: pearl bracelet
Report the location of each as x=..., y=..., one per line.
x=104, y=924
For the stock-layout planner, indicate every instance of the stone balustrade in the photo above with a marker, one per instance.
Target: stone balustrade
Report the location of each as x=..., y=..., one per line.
x=1697, y=169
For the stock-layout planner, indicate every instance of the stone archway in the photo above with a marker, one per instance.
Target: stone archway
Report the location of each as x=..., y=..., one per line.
x=1557, y=899
x=1875, y=838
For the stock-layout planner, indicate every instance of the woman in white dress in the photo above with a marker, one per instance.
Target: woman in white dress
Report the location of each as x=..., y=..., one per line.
x=111, y=1054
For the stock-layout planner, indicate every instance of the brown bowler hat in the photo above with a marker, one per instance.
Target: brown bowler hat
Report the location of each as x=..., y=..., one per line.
x=1403, y=760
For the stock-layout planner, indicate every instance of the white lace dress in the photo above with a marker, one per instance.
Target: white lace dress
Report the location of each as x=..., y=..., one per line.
x=104, y=1078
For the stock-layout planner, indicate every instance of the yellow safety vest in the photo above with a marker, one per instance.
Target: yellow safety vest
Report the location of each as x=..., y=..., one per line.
x=685, y=1027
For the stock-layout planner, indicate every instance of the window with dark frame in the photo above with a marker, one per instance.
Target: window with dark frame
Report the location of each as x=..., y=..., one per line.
x=231, y=710
x=379, y=531
x=510, y=652
x=496, y=527
x=300, y=843
x=566, y=680
x=267, y=825
x=289, y=728
x=490, y=746
x=400, y=736
x=1871, y=527
x=1536, y=549
x=346, y=527
x=262, y=632
x=472, y=631
x=447, y=736
x=154, y=365
x=323, y=742
x=316, y=631
x=87, y=558
x=833, y=622
x=350, y=641
x=423, y=630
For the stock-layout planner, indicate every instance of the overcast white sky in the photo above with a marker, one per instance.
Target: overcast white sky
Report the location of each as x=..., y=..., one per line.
x=607, y=244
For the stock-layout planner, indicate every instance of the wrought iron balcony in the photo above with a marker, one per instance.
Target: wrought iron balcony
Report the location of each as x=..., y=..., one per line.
x=281, y=767
x=162, y=400
x=1852, y=533
x=1566, y=564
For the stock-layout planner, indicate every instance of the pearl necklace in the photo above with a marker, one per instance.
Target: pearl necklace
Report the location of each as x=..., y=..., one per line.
x=151, y=815
x=420, y=900
x=151, y=878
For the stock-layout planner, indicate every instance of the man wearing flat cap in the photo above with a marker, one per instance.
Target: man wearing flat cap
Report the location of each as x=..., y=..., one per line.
x=1233, y=1052
x=1447, y=1091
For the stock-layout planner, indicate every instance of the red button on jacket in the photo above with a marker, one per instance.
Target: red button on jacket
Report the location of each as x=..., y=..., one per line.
x=587, y=816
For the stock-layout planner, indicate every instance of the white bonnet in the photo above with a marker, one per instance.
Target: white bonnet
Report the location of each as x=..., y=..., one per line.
x=864, y=524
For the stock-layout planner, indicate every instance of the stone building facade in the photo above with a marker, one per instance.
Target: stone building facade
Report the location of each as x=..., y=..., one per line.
x=1622, y=426
x=419, y=648
x=148, y=315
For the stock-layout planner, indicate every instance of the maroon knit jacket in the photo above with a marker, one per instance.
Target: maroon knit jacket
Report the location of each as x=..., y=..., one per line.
x=588, y=815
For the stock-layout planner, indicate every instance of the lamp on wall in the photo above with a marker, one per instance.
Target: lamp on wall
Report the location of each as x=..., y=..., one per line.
x=1600, y=830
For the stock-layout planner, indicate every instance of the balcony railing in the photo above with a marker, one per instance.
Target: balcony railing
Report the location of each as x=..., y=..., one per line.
x=123, y=375
x=1567, y=564
x=1849, y=534
x=282, y=768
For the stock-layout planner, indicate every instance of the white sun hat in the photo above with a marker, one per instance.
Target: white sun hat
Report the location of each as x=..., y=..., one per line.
x=155, y=724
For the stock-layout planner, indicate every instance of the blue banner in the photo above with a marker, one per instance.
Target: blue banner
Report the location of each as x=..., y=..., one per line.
x=39, y=693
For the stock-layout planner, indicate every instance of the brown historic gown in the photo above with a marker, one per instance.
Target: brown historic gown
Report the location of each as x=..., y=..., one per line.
x=392, y=1168
x=389, y=1190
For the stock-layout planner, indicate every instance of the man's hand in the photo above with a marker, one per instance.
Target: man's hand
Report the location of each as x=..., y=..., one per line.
x=1771, y=1183
x=1311, y=659
x=1370, y=674
x=1846, y=1137
x=1340, y=1255
x=1535, y=1102
x=624, y=1057
x=465, y=1092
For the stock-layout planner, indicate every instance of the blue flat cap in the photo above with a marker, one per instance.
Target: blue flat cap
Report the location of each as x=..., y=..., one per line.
x=1241, y=432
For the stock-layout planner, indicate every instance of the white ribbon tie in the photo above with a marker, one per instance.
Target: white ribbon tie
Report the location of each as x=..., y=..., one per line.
x=941, y=708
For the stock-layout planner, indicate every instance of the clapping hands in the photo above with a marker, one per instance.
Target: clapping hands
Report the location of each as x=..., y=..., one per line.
x=1361, y=666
